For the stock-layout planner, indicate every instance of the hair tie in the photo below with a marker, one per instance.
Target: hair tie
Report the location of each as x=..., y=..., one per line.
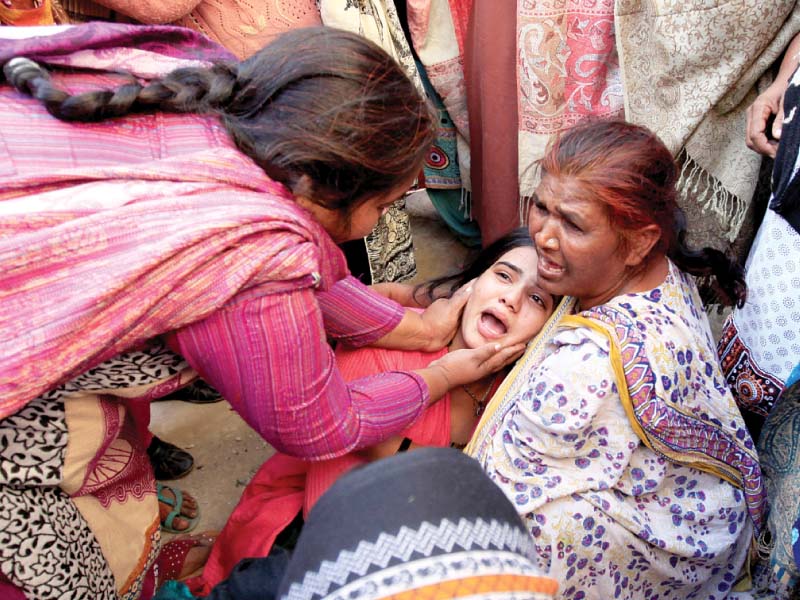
x=19, y=70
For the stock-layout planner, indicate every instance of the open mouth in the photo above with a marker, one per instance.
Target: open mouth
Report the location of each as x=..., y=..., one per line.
x=548, y=267
x=490, y=326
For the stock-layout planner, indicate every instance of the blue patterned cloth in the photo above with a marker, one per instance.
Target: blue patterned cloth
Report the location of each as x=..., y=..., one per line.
x=794, y=377
x=442, y=175
x=173, y=590
x=779, y=448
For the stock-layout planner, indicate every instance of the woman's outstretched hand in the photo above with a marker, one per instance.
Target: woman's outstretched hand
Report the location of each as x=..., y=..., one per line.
x=430, y=330
x=472, y=364
x=443, y=317
x=461, y=367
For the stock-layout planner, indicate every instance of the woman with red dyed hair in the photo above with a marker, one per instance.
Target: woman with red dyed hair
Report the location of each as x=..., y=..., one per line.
x=616, y=437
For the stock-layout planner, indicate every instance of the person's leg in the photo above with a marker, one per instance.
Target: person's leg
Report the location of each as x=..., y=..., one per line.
x=178, y=510
x=169, y=461
x=184, y=555
x=73, y=491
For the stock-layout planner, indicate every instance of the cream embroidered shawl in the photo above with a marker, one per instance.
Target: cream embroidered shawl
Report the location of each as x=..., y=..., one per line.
x=690, y=70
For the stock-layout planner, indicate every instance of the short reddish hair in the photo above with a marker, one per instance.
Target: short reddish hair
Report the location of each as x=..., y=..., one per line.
x=632, y=173
x=625, y=167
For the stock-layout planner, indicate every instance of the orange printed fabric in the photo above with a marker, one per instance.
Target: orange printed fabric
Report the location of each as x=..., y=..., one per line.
x=537, y=588
x=41, y=14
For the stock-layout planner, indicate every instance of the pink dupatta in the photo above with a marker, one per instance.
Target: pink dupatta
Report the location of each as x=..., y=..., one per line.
x=99, y=255
x=155, y=252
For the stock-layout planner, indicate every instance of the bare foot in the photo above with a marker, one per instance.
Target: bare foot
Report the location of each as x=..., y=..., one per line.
x=198, y=555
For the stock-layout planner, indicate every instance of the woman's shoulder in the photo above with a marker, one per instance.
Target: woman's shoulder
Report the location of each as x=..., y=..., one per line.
x=578, y=333
x=675, y=299
x=574, y=346
x=666, y=321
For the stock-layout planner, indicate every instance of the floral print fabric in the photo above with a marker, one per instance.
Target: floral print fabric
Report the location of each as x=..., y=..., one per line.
x=610, y=516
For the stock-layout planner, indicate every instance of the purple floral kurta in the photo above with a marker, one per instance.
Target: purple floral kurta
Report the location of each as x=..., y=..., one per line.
x=611, y=517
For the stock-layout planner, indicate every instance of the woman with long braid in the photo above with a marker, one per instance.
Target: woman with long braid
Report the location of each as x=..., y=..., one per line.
x=179, y=217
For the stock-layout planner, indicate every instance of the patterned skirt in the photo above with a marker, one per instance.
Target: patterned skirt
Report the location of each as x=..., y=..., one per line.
x=776, y=574
x=78, y=508
x=760, y=343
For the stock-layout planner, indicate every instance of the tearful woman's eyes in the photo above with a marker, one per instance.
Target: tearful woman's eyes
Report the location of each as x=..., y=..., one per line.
x=538, y=300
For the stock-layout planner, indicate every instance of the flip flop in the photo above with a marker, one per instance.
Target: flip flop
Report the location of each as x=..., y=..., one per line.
x=177, y=505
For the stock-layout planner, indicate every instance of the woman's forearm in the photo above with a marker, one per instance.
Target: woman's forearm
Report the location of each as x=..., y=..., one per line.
x=790, y=61
x=431, y=329
x=270, y=359
x=412, y=333
x=401, y=293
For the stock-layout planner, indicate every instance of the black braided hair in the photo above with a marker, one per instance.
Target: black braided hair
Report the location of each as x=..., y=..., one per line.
x=183, y=90
x=323, y=111
x=723, y=277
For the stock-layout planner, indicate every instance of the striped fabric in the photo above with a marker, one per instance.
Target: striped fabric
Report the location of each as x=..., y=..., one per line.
x=272, y=362
x=284, y=486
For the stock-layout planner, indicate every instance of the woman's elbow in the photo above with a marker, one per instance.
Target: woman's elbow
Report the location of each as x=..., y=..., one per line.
x=308, y=432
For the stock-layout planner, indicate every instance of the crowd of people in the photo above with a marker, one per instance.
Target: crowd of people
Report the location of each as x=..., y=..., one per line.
x=555, y=419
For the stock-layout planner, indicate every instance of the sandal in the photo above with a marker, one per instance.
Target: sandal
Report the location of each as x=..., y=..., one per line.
x=177, y=505
x=169, y=461
x=172, y=562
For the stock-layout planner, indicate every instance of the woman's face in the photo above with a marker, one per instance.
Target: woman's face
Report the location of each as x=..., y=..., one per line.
x=580, y=254
x=362, y=220
x=507, y=305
